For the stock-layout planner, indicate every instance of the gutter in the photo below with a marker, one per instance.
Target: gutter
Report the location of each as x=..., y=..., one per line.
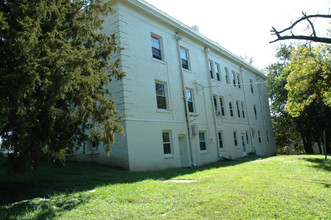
x=188, y=123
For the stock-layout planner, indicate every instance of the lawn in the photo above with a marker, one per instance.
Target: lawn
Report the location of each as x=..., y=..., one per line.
x=281, y=187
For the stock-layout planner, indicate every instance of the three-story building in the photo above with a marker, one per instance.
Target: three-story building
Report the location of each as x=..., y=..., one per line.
x=186, y=100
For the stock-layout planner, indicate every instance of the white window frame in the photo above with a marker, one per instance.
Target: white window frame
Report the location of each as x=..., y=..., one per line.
x=247, y=138
x=211, y=71
x=165, y=95
x=234, y=78
x=251, y=85
x=217, y=112
x=238, y=80
x=167, y=142
x=235, y=138
x=255, y=111
x=220, y=140
x=238, y=109
x=190, y=100
x=231, y=109
x=160, y=49
x=222, y=107
x=202, y=140
x=217, y=72
x=243, y=110
x=184, y=56
x=227, y=77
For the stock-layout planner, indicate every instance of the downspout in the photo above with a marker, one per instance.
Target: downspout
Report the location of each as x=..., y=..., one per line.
x=248, y=118
x=212, y=102
x=188, y=123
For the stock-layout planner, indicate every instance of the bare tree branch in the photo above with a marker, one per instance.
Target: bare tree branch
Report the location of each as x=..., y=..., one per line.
x=313, y=37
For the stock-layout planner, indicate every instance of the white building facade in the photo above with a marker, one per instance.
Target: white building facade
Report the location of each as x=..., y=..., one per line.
x=186, y=101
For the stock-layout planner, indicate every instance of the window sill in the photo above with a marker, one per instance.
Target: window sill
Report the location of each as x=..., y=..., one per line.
x=203, y=152
x=163, y=111
x=187, y=70
x=168, y=156
x=159, y=61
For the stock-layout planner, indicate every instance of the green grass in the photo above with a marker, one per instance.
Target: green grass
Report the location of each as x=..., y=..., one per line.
x=282, y=187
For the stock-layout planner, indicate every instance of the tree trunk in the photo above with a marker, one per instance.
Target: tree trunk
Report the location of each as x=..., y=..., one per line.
x=307, y=145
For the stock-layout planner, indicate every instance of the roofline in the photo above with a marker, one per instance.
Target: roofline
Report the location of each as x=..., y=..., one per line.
x=181, y=27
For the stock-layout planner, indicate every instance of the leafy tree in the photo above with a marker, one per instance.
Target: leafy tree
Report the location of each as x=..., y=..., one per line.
x=54, y=73
x=309, y=89
x=309, y=78
x=284, y=125
x=307, y=122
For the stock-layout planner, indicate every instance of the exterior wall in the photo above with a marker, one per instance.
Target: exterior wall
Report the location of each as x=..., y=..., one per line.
x=142, y=146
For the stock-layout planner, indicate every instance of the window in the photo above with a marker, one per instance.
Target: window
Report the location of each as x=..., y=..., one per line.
x=166, y=142
x=234, y=79
x=222, y=106
x=161, y=98
x=184, y=58
x=220, y=139
x=202, y=140
x=238, y=80
x=267, y=135
x=235, y=139
x=243, y=109
x=238, y=108
x=189, y=97
x=230, y=108
x=251, y=84
x=217, y=71
x=247, y=138
x=156, y=47
x=227, y=78
x=259, y=136
x=255, y=112
x=210, y=63
x=215, y=104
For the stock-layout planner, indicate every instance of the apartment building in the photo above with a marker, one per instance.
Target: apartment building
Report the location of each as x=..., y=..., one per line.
x=186, y=101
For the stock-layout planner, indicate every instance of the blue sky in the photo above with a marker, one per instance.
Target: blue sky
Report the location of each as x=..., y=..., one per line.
x=243, y=26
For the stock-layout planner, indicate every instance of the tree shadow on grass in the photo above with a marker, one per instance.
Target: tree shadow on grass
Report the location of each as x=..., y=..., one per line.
x=320, y=163
x=62, y=189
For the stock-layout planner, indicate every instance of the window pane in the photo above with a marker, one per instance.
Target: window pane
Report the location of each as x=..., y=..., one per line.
x=165, y=136
x=184, y=58
x=183, y=54
x=184, y=64
x=220, y=139
x=189, y=95
x=203, y=146
x=156, y=53
x=190, y=107
x=166, y=142
x=166, y=148
x=201, y=136
x=161, y=102
x=155, y=42
x=160, y=89
x=202, y=141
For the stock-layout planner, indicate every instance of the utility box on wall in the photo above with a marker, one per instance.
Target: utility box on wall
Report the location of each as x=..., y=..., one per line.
x=195, y=130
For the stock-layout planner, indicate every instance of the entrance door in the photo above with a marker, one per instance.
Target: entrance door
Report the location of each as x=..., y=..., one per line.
x=183, y=150
x=244, y=144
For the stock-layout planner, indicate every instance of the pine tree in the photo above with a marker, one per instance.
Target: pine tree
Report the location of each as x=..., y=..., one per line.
x=54, y=73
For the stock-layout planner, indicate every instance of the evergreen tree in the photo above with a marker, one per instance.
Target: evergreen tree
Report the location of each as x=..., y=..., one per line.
x=54, y=73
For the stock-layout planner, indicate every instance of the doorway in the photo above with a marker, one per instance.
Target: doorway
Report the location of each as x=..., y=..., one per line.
x=243, y=144
x=183, y=151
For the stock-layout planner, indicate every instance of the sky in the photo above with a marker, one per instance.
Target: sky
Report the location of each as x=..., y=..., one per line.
x=243, y=26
